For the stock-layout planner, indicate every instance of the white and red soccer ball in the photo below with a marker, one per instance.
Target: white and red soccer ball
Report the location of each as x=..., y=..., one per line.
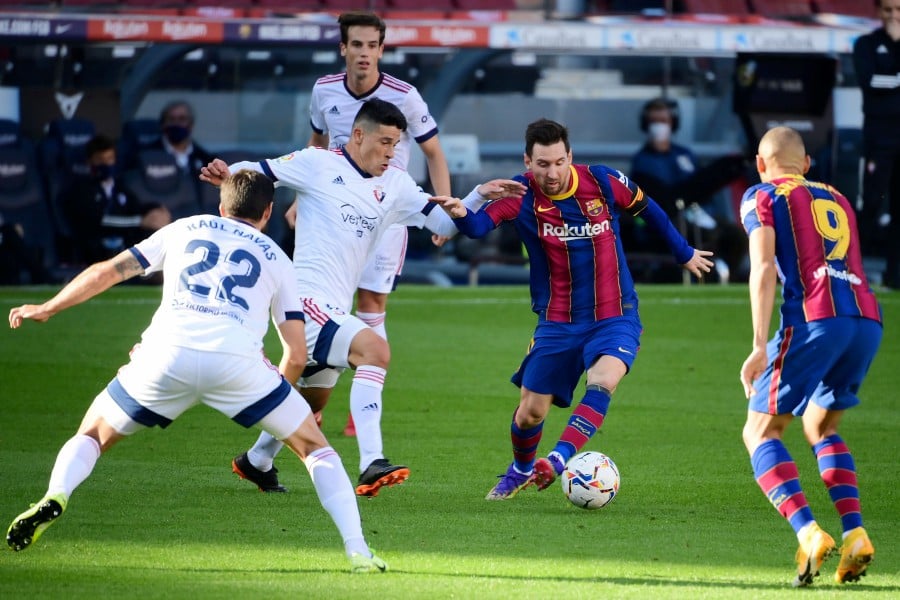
x=590, y=480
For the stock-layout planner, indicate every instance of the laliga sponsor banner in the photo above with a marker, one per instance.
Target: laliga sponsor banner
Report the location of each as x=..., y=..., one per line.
x=456, y=36
x=281, y=32
x=36, y=27
x=777, y=39
x=672, y=38
x=155, y=30
x=548, y=35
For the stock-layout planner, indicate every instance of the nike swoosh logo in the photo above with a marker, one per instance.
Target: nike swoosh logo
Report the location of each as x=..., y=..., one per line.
x=624, y=351
x=545, y=208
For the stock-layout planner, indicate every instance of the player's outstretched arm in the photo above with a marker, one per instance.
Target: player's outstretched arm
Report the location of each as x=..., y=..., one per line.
x=94, y=280
x=452, y=206
x=699, y=263
x=502, y=188
x=215, y=172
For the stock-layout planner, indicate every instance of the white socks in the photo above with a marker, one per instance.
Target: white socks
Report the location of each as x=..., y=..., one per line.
x=337, y=497
x=375, y=321
x=74, y=463
x=365, y=407
x=263, y=451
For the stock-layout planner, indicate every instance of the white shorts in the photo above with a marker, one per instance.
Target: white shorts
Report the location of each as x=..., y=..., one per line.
x=162, y=382
x=329, y=333
x=386, y=261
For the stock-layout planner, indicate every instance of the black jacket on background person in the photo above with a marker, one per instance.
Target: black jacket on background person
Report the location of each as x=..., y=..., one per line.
x=102, y=224
x=876, y=59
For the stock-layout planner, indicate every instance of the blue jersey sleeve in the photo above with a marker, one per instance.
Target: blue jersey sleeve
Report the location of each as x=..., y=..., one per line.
x=475, y=225
x=657, y=219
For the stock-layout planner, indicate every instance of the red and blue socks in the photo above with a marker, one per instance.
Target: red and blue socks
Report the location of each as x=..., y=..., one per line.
x=777, y=476
x=839, y=475
x=586, y=419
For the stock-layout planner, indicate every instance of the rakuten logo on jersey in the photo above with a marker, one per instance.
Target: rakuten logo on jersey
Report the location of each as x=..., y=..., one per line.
x=567, y=232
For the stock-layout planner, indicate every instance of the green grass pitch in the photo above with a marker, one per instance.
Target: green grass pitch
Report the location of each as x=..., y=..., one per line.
x=163, y=516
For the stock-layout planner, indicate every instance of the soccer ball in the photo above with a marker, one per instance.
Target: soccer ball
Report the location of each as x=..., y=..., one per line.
x=590, y=480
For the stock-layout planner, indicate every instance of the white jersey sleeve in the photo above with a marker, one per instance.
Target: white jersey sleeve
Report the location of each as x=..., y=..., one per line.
x=419, y=122
x=295, y=170
x=316, y=115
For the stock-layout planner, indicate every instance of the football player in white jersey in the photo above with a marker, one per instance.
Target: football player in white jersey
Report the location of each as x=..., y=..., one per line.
x=333, y=105
x=347, y=198
x=223, y=279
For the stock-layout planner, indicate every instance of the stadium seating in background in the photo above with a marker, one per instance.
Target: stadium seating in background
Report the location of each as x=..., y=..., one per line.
x=22, y=202
x=7, y=4
x=154, y=5
x=486, y=4
x=289, y=5
x=855, y=8
x=716, y=7
x=158, y=180
x=93, y=5
x=137, y=135
x=344, y=5
x=783, y=8
x=215, y=3
x=10, y=133
x=411, y=5
x=61, y=157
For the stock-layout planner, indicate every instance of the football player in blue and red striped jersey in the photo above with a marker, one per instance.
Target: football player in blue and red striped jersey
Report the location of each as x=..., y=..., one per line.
x=805, y=233
x=581, y=290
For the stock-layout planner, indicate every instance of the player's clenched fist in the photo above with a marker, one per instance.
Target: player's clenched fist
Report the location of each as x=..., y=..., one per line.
x=215, y=172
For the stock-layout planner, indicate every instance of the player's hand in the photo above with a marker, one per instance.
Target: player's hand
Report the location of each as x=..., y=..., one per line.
x=752, y=368
x=699, y=263
x=35, y=312
x=215, y=172
x=439, y=240
x=452, y=206
x=501, y=188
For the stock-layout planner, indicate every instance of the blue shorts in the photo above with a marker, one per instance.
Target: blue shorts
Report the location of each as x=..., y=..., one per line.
x=560, y=353
x=824, y=361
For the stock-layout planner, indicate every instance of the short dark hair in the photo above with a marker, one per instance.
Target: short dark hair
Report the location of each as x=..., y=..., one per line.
x=379, y=112
x=546, y=133
x=361, y=19
x=169, y=107
x=246, y=195
x=97, y=144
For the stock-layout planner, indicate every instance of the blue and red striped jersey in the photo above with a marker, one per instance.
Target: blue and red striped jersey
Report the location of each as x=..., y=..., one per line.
x=816, y=249
x=578, y=268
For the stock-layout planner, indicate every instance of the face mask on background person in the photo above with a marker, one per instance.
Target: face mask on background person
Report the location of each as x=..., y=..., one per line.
x=103, y=172
x=660, y=132
x=176, y=133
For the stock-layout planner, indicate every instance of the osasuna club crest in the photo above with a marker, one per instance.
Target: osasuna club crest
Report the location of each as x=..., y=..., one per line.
x=378, y=192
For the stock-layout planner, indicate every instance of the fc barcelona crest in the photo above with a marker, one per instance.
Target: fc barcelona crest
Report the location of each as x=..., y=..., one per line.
x=594, y=207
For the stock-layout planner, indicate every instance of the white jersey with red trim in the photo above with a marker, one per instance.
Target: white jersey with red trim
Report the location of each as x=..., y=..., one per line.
x=333, y=107
x=342, y=212
x=222, y=278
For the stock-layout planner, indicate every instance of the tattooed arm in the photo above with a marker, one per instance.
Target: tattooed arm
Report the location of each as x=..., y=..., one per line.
x=94, y=280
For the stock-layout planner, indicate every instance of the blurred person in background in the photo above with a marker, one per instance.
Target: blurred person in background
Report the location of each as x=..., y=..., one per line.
x=670, y=174
x=876, y=59
x=106, y=217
